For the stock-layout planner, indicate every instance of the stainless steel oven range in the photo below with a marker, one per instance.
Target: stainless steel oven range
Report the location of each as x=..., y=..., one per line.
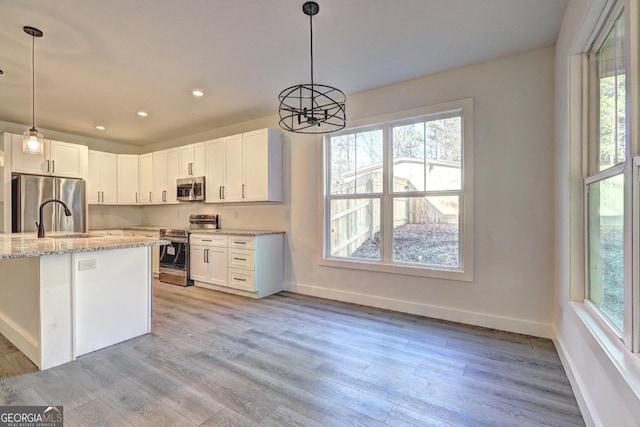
x=174, y=258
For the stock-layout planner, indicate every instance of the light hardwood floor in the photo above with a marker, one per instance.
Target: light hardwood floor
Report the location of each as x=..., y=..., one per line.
x=292, y=360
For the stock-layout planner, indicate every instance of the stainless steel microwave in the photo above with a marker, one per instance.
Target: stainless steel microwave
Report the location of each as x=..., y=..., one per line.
x=190, y=189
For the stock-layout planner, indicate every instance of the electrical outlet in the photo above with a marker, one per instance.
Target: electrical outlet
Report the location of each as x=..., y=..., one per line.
x=87, y=264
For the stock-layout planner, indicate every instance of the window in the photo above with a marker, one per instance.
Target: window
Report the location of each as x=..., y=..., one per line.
x=607, y=185
x=397, y=194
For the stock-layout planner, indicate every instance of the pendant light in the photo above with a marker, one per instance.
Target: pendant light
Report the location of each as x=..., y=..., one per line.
x=312, y=108
x=32, y=140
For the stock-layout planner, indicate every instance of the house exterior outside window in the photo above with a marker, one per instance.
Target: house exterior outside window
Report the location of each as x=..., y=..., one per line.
x=611, y=197
x=398, y=194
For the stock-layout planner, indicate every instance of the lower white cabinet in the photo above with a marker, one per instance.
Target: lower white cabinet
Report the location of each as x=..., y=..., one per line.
x=208, y=259
x=245, y=265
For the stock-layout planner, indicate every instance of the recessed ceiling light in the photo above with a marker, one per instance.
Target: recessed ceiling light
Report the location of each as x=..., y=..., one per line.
x=100, y=127
x=142, y=113
x=198, y=93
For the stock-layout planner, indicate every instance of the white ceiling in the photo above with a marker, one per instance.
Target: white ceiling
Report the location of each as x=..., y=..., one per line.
x=100, y=62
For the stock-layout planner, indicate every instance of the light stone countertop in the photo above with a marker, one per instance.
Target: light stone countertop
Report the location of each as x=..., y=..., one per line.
x=223, y=231
x=24, y=245
x=130, y=227
x=233, y=232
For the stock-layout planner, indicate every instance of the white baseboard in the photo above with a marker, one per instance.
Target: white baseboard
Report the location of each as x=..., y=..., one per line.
x=576, y=382
x=18, y=337
x=520, y=326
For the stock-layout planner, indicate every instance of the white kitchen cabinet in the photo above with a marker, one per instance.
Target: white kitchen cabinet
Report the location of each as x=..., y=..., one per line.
x=102, y=179
x=214, y=172
x=145, y=178
x=192, y=160
x=233, y=171
x=128, y=179
x=166, y=168
x=224, y=169
x=262, y=166
x=58, y=159
x=253, y=265
x=245, y=167
x=208, y=260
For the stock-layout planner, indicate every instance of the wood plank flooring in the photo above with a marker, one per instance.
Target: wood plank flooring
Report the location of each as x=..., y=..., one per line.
x=291, y=360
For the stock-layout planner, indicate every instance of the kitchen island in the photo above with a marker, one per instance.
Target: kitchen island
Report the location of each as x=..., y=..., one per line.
x=69, y=294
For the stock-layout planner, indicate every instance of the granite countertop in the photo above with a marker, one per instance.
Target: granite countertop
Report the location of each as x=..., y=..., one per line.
x=131, y=227
x=24, y=245
x=223, y=231
x=232, y=232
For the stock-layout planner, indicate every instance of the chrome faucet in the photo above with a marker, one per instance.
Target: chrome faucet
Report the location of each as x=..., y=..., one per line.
x=40, y=225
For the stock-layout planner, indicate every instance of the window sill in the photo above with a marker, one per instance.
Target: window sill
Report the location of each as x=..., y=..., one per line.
x=620, y=364
x=458, y=275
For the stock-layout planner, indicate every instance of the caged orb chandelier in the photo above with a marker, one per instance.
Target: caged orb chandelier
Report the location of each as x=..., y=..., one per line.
x=312, y=108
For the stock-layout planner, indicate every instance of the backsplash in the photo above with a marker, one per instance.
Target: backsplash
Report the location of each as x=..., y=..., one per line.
x=267, y=216
x=105, y=216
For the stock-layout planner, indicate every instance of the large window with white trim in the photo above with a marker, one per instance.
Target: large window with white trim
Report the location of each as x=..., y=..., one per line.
x=397, y=194
x=608, y=184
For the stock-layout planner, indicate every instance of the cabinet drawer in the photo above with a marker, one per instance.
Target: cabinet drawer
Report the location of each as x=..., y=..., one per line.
x=208, y=240
x=240, y=279
x=241, y=242
x=241, y=258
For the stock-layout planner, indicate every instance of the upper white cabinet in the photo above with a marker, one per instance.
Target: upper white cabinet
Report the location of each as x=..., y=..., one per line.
x=59, y=159
x=128, y=179
x=262, y=166
x=245, y=167
x=102, y=179
x=215, y=170
x=233, y=169
x=192, y=160
x=145, y=178
x=166, y=165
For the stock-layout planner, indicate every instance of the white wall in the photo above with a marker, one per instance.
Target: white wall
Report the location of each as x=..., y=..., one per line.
x=605, y=377
x=513, y=286
x=513, y=100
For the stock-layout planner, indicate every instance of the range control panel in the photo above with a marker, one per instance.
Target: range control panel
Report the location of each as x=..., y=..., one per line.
x=203, y=221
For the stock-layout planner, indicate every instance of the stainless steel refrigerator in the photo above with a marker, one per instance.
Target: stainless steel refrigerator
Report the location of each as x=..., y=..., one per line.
x=28, y=192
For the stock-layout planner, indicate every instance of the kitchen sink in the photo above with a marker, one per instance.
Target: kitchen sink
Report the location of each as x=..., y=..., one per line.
x=73, y=236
